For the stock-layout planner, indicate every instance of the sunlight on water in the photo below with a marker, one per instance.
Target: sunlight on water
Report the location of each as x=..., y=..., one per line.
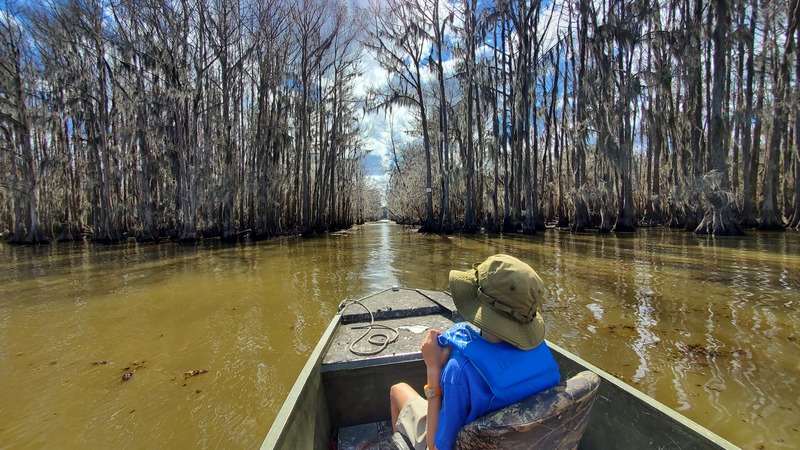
x=709, y=327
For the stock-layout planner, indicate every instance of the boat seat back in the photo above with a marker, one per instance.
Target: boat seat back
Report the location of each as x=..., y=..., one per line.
x=552, y=419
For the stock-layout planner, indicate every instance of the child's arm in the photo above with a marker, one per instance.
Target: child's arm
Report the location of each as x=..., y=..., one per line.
x=435, y=358
x=434, y=406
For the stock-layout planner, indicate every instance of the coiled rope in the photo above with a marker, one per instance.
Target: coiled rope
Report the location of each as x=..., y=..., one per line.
x=380, y=339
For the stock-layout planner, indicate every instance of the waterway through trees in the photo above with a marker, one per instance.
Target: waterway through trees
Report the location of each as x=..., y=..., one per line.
x=708, y=327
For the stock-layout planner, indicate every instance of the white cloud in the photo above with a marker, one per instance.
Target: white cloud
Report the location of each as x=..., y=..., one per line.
x=380, y=126
x=372, y=76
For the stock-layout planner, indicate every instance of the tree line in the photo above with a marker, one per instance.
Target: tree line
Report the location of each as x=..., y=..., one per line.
x=179, y=119
x=185, y=119
x=601, y=114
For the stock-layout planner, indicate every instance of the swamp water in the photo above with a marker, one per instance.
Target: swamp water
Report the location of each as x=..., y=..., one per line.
x=707, y=326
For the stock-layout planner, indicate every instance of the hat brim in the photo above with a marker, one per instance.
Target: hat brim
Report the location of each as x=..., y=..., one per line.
x=464, y=290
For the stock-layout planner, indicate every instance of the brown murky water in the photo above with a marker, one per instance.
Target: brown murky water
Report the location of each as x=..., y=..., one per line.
x=709, y=327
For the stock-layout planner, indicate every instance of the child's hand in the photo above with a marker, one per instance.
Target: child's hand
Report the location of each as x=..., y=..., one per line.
x=435, y=356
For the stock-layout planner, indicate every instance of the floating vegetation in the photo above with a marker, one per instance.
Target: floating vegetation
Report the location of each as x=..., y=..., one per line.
x=701, y=350
x=711, y=353
x=194, y=373
x=137, y=364
x=131, y=369
x=613, y=328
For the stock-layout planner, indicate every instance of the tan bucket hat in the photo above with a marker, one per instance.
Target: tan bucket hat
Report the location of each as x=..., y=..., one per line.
x=501, y=295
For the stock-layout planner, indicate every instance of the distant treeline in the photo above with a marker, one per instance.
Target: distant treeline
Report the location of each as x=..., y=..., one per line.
x=179, y=119
x=594, y=113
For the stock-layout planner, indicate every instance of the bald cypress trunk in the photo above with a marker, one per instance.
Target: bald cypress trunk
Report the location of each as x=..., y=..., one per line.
x=25, y=196
x=795, y=219
x=580, y=219
x=718, y=219
x=770, y=209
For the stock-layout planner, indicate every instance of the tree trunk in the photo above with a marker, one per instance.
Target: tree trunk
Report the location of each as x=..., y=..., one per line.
x=305, y=132
x=624, y=222
x=718, y=219
x=496, y=147
x=26, y=194
x=469, y=170
x=226, y=188
x=185, y=136
x=148, y=232
x=770, y=209
x=694, y=216
x=105, y=227
x=558, y=148
x=444, y=146
x=581, y=213
x=625, y=216
x=605, y=219
x=429, y=225
x=187, y=185
x=695, y=95
x=748, y=219
x=795, y=221
x=523, y=107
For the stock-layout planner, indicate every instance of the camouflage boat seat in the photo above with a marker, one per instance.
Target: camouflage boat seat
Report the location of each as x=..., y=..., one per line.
x=552, y=419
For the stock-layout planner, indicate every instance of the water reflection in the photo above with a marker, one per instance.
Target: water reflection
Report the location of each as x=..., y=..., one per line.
x=380, y=269
x=709, y=327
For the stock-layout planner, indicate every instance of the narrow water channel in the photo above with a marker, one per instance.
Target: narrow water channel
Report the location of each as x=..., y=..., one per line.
x=708, y=327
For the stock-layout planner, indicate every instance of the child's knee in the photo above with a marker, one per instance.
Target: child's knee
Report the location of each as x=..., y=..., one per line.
x=395, y=390
x=399, y=391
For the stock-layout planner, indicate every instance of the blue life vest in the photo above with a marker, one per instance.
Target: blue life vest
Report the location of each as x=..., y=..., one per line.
x=512, y=374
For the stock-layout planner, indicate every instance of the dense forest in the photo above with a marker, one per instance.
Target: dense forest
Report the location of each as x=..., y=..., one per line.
x=179, y=119
x=184, y=119
x=595, y=114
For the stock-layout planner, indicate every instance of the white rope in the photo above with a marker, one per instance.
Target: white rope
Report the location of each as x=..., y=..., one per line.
x=379, y=339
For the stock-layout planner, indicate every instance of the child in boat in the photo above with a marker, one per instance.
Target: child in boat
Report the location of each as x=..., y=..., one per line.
x=472, y=373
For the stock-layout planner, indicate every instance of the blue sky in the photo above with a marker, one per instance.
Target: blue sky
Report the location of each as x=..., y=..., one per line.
x=374, y=165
